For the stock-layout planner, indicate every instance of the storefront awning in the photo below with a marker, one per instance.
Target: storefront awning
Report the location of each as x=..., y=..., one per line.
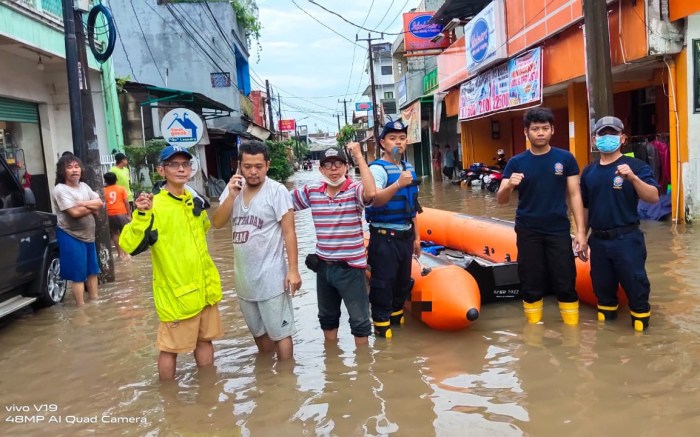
x=147, y=94
x=460, y=9
x=426, y=98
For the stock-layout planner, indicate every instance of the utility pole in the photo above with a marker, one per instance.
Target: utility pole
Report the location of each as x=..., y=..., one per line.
x=376, y=122
x=269, y=106
x=338, y=117
x=85, y=145
x=598, y=65
x=296, y=142
x=345, y=109
x=76, y=119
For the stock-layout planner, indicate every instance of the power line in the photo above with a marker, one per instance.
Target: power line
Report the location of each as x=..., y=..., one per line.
x=348, y=21
x=385, y=13
x=203, y=50
x=194, y=31
x=324, y=25
x=155, y=64
x=322, y=97
x=397, y=16
x=131, y=67
x=198, y=49
x=354, y=48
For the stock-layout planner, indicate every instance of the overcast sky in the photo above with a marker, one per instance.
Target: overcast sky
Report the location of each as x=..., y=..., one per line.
x=305, y=61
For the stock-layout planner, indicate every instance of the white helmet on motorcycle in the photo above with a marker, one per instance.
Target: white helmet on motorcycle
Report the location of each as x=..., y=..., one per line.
x=500, y=152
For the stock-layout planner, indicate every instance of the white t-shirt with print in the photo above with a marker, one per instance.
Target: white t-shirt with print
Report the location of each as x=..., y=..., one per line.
x=258, y=242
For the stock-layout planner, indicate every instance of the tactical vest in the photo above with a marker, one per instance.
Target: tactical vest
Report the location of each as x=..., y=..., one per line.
x=401, y=209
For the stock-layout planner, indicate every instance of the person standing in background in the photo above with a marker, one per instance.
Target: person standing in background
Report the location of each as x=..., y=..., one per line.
x=76, y=205
x=437, y=162
x=118, y=210
x=449, y=168
x=121, y=169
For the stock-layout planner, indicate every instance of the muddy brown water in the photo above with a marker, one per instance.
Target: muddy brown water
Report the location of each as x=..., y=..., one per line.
x=69, y=371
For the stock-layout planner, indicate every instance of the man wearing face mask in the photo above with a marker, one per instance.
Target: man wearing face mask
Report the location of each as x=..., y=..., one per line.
x=611, y=188
x=394, y=237
x=336, y=204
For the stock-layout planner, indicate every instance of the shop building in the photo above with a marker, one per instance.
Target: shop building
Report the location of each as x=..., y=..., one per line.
x=531, y=53
x=35, y=126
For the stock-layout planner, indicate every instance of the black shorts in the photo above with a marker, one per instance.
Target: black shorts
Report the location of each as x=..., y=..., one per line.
x=546, y=264
x=117, y=223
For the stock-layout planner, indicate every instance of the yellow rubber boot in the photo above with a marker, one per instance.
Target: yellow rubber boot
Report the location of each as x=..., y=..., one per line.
x=569, y=312
x=606, y=313
x=397, y=318
x=640, y=321
x=533, y=311
x=382, y=329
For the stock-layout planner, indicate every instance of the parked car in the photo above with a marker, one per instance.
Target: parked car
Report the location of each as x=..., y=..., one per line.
x=29, y=264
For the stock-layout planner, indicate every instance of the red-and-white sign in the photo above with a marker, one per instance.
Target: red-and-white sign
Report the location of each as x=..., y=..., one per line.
x=418, y=33
x=286, y=125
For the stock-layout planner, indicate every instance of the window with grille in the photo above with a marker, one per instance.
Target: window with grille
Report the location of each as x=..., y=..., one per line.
x=389, y=106
x=389, y=95
x=220, y=80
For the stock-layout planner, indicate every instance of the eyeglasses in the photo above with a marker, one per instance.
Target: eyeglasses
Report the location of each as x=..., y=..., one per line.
x=332, y=164
x=177, y=165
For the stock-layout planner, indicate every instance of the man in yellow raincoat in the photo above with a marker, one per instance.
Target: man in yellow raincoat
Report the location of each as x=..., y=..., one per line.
x=186, y=283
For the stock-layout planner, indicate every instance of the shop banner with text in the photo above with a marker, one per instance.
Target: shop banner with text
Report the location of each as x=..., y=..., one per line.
x=411, y=118
x=515, y=83
x=525, y=78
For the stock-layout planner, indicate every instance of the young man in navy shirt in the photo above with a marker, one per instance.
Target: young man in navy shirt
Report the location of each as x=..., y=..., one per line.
x=545, y=178
x=611, y=188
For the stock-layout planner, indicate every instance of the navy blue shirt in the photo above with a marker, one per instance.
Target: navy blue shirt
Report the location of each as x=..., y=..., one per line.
x=542, y=192
x=610, y=199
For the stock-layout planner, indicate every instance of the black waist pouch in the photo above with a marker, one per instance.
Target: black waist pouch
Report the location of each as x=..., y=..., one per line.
x=312, y=262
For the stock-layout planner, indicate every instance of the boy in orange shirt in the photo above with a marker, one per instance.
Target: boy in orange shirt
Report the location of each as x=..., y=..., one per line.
x=118, y=210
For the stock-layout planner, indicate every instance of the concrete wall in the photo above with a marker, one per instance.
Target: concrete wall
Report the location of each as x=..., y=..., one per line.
x=179, y=62
x=691, y=169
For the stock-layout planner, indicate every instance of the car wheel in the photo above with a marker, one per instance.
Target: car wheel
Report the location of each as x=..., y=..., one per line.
x=51, y=287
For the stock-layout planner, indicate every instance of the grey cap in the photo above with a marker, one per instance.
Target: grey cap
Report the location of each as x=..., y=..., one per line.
x=608, y=121
x=334, y=153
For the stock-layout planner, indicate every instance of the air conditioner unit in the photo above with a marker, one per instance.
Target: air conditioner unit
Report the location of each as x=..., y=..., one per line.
x=452, y=24
x=81, y=5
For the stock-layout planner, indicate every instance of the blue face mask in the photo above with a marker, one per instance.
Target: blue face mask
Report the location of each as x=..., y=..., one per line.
x=608, y=143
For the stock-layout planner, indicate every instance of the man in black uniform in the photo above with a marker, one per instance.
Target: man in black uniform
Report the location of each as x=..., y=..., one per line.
x=611, y=188
x=393, y=232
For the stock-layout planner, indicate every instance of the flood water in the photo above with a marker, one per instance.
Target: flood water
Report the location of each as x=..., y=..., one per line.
x=499, y=377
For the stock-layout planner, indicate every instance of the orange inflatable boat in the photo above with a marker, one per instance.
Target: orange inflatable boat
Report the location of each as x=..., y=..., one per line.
x=444, y=296
x=489, y=239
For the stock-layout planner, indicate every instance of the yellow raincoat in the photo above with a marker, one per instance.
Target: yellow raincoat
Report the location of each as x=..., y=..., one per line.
x=185, y=279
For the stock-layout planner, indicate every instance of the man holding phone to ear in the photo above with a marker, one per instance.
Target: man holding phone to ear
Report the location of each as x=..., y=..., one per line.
x=262, y=218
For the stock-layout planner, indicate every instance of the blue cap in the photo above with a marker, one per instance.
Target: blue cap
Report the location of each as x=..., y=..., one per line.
x=393, y=126
x=170, y=151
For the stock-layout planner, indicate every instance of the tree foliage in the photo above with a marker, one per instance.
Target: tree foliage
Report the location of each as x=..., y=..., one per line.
x=280, y=165
x=346, y=135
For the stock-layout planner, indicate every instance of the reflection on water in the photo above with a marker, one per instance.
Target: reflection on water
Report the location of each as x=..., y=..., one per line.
x=96, y=364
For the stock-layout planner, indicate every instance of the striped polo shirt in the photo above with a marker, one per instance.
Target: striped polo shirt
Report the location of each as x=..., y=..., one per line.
x=338, y=220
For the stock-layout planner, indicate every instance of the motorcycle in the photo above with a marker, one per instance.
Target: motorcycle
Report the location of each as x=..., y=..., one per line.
x=473, y=173
x=491, y=179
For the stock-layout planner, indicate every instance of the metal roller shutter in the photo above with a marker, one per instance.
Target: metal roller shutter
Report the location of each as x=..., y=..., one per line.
x=18, y=111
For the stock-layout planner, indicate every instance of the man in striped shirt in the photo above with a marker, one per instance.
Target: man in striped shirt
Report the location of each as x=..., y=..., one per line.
x=337, y=203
